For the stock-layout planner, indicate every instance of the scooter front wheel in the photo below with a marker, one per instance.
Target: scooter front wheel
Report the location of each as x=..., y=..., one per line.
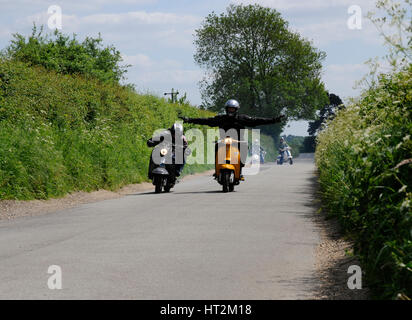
x=158, y=184
x=226, y=182
x=290, y=161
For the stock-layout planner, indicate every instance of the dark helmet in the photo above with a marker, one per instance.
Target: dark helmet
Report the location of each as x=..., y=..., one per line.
x=232, y=107
x=177, y=129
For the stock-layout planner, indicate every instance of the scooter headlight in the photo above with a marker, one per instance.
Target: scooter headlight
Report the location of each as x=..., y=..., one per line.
x=163, y=152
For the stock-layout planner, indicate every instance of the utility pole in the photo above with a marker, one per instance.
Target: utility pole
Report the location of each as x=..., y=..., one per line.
x=173, y=94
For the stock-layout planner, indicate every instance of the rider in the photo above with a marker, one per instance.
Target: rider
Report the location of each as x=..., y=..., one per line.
x=178, y=139
x=282, y=148
x=233, y=120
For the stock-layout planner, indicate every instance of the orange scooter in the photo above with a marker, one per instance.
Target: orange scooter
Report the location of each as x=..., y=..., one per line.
x=227, y=163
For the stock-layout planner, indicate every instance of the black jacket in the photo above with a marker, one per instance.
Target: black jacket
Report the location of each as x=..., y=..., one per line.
x=237, y=122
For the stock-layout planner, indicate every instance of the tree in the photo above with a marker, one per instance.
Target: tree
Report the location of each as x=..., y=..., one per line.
x=251, y=55
x=308, y=144
x=326, y=113
x=67, y=55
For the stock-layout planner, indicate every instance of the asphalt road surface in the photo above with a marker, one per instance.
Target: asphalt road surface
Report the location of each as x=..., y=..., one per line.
x=193, y=243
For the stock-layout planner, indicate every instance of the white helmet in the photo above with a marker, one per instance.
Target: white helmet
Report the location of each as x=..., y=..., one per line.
x=177, y=129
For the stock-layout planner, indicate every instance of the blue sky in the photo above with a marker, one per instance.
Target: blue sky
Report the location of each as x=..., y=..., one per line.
x=156, y=37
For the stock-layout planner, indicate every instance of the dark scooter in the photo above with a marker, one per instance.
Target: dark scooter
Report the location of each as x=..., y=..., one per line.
x=163, y=174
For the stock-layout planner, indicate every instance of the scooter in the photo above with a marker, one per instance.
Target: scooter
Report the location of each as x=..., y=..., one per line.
x=163, y=175
x=284, y=156
x=227, y=163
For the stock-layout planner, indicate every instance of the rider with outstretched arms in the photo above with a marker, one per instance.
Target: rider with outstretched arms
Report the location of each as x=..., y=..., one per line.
x=233, y=120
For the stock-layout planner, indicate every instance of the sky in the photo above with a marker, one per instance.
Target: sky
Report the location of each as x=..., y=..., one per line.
x=156, y=37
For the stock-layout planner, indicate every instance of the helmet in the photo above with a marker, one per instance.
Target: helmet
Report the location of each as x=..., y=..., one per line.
x=232, y=107
x=177, y=129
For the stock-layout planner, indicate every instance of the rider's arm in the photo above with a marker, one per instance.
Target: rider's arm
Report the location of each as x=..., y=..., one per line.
x=257, y=121
x=211, y=122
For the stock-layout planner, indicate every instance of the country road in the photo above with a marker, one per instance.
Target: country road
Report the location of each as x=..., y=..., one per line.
x=194, y=243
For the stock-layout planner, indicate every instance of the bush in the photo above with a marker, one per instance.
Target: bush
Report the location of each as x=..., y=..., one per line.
x=67, y=55
x=364, y=161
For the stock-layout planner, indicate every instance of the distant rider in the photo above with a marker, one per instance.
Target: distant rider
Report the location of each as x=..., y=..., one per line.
x=282, y=148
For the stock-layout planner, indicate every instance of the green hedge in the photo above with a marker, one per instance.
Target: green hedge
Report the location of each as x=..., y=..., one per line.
x=63, y=133
x=364, y=161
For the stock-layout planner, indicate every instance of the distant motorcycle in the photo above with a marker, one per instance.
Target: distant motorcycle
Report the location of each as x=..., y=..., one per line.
x=163, y=174
x=284, y=156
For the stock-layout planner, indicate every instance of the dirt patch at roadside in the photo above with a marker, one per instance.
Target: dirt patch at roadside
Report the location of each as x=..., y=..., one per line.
x=333, y=259
x=10, y=209
x=333, y=256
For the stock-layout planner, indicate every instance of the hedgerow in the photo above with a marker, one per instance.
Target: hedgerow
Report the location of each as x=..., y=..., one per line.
x=364, y=158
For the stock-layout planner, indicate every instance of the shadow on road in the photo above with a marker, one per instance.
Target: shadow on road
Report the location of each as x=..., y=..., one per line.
x=173, y=192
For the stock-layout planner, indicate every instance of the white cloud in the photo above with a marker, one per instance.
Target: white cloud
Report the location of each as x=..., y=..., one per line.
x=69, y=6
x=323, y=21
x=127, y=19
x=341, y=78
x=139, y=17
x=335, y=30
x=139, y=60
x=305, y=5
x=146, y=70
x=160, y=75
x=140, y=27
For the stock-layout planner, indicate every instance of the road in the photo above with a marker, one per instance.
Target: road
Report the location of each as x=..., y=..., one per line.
x=194, y=243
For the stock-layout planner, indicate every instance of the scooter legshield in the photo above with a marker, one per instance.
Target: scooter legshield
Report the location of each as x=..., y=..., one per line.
x=160, y=171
